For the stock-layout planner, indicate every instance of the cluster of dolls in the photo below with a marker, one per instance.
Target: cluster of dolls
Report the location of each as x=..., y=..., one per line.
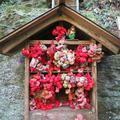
x=77, y=87
x=58, y=59
x=64, y=58
x=43, y=88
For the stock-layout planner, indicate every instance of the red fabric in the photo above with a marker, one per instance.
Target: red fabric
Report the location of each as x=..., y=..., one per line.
x=90, y=82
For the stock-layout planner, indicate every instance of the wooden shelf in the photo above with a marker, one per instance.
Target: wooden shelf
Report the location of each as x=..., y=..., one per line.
x=67, y=42
x=55, y=72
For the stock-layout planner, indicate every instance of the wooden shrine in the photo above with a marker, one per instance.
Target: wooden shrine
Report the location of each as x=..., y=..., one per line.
x=39, y=30
x=89, y=114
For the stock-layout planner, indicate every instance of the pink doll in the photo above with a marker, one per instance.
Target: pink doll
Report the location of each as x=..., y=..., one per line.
x=33, y=62
x=32, y=104
x=80, y=117
x=81, y=99
x=92, y=49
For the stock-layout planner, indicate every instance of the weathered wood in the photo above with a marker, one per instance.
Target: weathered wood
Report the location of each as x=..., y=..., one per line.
x=90, y=25
x=19, y=39
x=26, y=85
x=94, y=92
x=61, y=2
x=67, y=42
x=61, y=72
x=71, y=3
x=112, y=47
x=27, y=30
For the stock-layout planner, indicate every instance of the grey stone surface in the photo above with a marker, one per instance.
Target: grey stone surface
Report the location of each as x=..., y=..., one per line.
x=62, y=113
x=109, y=88
x=12, y=88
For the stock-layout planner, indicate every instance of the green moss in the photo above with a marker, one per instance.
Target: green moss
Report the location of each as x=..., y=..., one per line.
x=90, y=15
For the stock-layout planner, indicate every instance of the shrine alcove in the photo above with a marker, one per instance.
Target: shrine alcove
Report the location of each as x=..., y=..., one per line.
x=81, y=38
x=46, y=33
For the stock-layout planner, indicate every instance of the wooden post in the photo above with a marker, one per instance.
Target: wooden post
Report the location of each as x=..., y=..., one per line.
x=94, y=93
x=61, y=2
x=26, y=85
x=77, y=5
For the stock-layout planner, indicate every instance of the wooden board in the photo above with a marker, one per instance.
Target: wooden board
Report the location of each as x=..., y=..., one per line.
x=91, y=26
x=26, y=86
x=94, y=94
x=67, y=42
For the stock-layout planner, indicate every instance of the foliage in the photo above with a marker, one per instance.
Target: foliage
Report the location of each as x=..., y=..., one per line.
x=14, y=13
x=102, y=12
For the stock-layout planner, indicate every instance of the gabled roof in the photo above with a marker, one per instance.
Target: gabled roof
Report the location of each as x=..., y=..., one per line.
x=64, y=13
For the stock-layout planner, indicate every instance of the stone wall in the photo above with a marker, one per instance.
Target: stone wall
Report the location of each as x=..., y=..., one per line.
x=109, y=88
x=12, y=88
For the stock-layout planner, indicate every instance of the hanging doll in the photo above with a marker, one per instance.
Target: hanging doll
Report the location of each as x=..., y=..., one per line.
x=61, y=44
x=92, y=49
x=95, y=52
x=80, y=117
x=81, y=99
x=59, y=32
x=46, y=94
x=99, y=53
x=71, y=33
x=32, y=104
x=51, y=51
x=40, y=67
x=34, y=62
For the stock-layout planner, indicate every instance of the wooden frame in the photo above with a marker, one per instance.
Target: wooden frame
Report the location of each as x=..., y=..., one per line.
x=89, y=114
x=94, y=95
x=26, y=85
x=70, y=42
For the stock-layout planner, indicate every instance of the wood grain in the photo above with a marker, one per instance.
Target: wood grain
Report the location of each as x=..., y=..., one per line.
x=26, y=86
